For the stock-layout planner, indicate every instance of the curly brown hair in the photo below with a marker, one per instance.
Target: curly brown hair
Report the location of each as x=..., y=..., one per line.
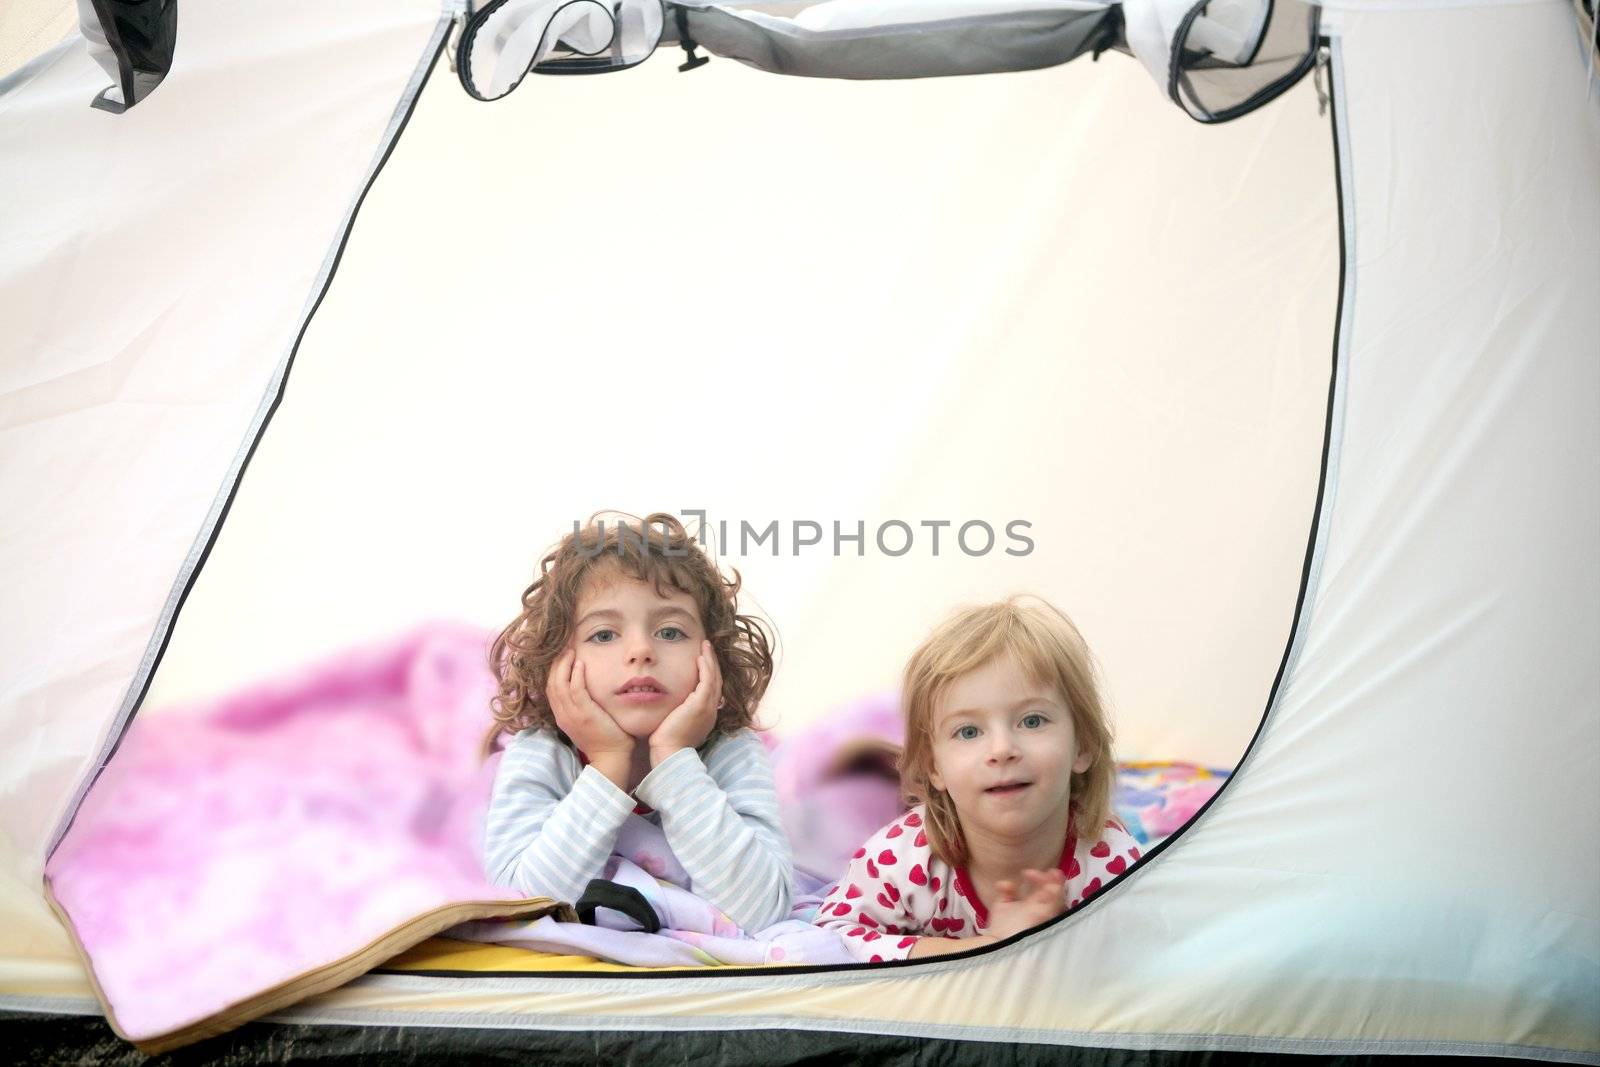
x=657, y=550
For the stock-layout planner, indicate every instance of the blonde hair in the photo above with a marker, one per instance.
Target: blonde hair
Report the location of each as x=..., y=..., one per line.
x=1051, y=652
x=658, y=550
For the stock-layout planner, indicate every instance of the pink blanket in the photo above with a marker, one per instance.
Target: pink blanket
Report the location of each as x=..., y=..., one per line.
x=284, y=838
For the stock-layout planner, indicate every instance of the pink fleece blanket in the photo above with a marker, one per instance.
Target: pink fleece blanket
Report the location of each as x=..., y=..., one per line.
x=231, y=847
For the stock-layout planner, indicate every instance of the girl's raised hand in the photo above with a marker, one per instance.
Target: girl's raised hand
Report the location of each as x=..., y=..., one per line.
x=1042, y=896
x=608, y=747
x=690, y=723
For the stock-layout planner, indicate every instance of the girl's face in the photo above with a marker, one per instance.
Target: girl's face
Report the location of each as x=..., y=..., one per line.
x=638, y=649
x=1005, y=749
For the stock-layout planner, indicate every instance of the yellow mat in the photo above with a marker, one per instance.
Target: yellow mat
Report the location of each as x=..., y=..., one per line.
x=448, y=954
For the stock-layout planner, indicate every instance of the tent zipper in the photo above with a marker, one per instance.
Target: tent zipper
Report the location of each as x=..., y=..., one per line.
x=1318, y=78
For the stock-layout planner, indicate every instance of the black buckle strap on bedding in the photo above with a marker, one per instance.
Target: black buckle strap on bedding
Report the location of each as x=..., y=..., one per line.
x=689, y=46
x=600, y=893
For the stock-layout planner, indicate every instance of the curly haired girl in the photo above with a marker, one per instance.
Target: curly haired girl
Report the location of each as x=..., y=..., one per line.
x=630, y=682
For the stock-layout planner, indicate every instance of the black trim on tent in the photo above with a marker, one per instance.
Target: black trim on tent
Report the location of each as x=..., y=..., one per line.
x=142, y=34
x=77, y=1039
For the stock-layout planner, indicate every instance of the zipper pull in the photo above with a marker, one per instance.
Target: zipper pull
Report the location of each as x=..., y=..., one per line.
x=688, y=43
x=453, y=42
x=1324, y=54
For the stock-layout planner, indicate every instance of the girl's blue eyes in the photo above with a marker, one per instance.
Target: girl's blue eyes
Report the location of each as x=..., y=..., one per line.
x=676, y=632
x=1032, y=721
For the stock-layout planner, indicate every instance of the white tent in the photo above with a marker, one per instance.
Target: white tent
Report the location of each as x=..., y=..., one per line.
x=1304, y=426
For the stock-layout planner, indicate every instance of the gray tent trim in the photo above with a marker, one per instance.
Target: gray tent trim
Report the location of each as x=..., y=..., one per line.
x=1009, y=41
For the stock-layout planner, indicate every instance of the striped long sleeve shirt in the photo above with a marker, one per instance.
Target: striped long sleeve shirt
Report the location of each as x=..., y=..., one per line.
x=553, y=823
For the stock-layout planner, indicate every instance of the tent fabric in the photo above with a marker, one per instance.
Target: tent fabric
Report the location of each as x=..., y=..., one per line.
x=1245, y=54
x=72, y=403
x=1444, y=547
x=866, y=368
x=1449, y=598
x=836, y=39
x=870, y=40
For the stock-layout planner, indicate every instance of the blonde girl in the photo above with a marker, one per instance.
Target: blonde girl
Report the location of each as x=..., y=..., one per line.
x=1009, y=767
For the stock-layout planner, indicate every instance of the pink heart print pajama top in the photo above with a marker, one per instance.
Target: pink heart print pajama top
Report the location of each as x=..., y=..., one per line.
x=896, y=890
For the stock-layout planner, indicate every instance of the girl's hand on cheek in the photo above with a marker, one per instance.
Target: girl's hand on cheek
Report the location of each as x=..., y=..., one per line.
x=690, y=723
x=597, y=735
x=1042, y=896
